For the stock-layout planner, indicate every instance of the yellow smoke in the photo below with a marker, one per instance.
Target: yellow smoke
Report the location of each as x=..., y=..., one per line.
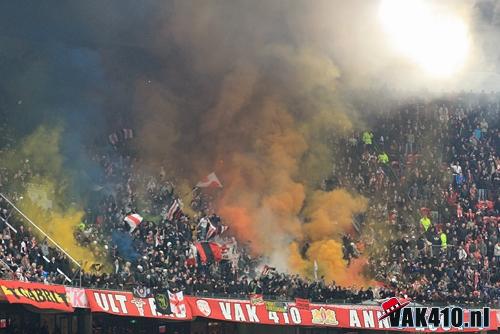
x=42, y=205
x=43, y=190
x=329, y=215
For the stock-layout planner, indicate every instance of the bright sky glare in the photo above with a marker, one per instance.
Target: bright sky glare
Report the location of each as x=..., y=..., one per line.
x=436, y=41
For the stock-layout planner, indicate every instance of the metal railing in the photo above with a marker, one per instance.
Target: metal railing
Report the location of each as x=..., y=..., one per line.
x=59, y=247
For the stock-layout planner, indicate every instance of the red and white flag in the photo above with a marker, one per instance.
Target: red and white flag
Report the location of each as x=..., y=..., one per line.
x=174, y=211
x=177, y=304
x=133, y=221
x=210, y=181
x=212, y=230
x=215, y=231
x=267, y=270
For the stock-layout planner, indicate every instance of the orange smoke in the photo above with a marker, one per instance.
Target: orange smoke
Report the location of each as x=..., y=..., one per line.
x=261, y=200
x=264, y=104
x=241, y=221
x=267, y=191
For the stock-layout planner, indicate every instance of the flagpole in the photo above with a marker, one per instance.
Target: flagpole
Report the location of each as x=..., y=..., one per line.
x=41, y=231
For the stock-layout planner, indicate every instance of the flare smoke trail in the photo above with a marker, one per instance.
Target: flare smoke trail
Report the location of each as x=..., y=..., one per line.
x=251, y=89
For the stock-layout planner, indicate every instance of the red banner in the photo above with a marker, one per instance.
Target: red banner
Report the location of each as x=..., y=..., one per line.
x=353, y=317
x=124, y=303
x=186, y=308
x=52, y=297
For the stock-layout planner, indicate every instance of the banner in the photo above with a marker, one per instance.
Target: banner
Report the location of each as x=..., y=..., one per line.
x=274, y=306
x=77, y=297
x=352, y=317
x=51, y=297
x=256, y=299
x=163, y=303
x=141, y=292
x=125, y=304
x=302, y=304
x=177, y=303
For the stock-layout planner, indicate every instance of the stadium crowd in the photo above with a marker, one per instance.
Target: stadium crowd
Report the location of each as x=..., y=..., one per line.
x=431, y=170
x=434, y=231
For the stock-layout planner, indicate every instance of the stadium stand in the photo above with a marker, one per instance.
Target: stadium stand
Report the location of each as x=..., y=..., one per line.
x=430, y=169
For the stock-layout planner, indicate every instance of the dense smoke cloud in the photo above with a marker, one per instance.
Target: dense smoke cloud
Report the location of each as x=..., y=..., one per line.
x=253, y=90
x=264, y=94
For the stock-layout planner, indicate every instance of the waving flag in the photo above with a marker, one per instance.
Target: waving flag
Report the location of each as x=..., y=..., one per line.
x=174, y=211
x=210, y=181
x=209, y=252
x=267, y=270
x=215, y=231
x=133, y=221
